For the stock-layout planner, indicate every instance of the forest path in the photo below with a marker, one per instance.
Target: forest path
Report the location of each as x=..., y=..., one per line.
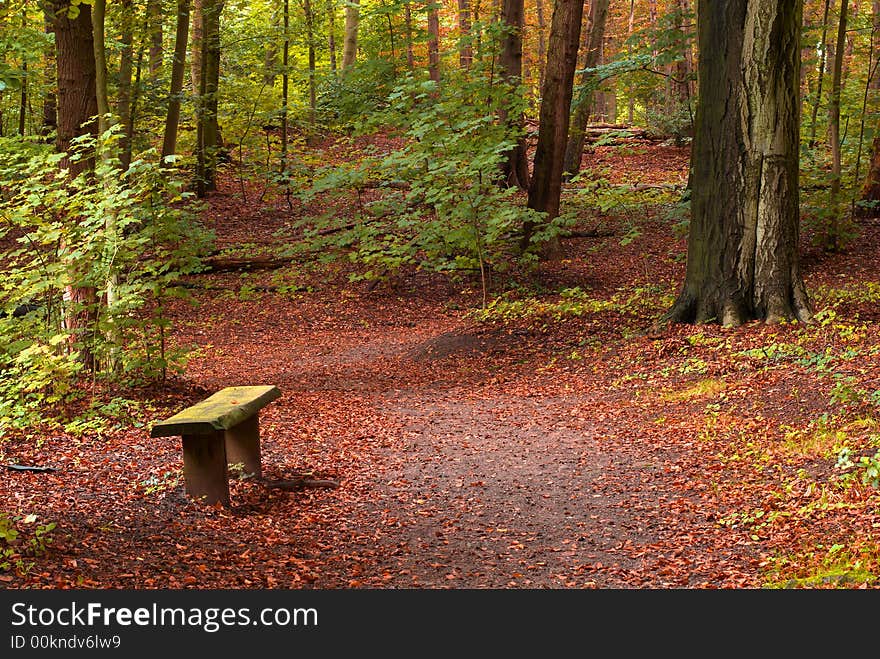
x=465, y=460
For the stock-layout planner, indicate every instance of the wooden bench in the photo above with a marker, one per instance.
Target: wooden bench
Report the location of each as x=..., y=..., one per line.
x=216, y=432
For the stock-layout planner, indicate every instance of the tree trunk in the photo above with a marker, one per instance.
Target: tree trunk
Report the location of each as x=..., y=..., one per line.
x=465, y=51
x=832, y=230
x=575, y=146
x=542, y=41
x=743, y=258
x=823, y=48
x=310, y=45
x=99, y=10
x=50, y=110
x=515, y=168
x=331, y=33
x=195, y=44
x=208, y=132
x=684, y=66
x=875, y=43
x=77, y=107
x=408, y=31
x=154, y=18
x=123, y=97
x=349, y=46
x=285, y=85
x=434, y=43
x=178, y=66
x=545, y=189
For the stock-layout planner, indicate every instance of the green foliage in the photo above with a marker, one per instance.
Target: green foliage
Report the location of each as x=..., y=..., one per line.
x=441, y=205
x=864, y=468
x=21, y=538
x=125, y=238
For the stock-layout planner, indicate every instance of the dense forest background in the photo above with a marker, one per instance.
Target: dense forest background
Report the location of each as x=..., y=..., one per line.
x=463, y=128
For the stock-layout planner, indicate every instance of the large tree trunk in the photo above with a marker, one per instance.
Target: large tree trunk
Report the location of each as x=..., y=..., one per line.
x=545, y=189
x=349, y=46
x=77, y=107
x=743, y=258
x=515, y=168
x=575, y=146
x=178, y=66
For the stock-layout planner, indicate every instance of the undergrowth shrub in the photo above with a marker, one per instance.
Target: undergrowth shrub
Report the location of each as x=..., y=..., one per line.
x=440, y=206
x=126, y=236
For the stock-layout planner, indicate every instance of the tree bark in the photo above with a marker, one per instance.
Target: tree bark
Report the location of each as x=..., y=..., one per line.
x=545, y=188
x=823, y=48
x=50, y=110
x=123, y=96
x=832, y=230
x=154, y=18
x=433, y=42
x=195, y=44
x=208, y=131
x=77, y=107
x=331, y=33
x=349, y=46
x=515, y=168
x=542, y=41
x=575, y=146
x=178, y=66
x=465, y=50
x=743, y=259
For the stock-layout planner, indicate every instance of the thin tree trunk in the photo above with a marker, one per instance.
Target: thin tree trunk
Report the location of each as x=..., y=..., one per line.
x=542, y=42
x=285, y=82
x=331, y=33
x=123, y=97
x=178, y=66
x=155, y=17
x=515, y=168
x=99, y=10
x=23, y=100
x=195, y=41
x=433, y=42
x=823, y=47
x=577, y=132
x=832, y=234
x=407, y=23
x=349, y=46
x=465, y=50
x=49, y=123
x=208, y=132
x=310, y=44
x=545, y=188
x=743, y=260
x=875, y=42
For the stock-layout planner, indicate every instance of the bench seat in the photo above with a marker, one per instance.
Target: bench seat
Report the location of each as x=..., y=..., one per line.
x=221, y=430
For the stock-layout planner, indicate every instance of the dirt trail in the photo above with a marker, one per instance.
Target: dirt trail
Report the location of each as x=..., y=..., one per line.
x=471, y=470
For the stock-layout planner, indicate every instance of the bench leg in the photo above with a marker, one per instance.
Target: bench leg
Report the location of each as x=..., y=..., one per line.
x=204, y=468
x=243, y=446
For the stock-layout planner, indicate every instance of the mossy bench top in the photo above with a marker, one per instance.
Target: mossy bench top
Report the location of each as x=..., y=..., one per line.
x=221, y=411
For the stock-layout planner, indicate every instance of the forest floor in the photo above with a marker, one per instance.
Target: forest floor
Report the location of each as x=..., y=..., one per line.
x=555, y=443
